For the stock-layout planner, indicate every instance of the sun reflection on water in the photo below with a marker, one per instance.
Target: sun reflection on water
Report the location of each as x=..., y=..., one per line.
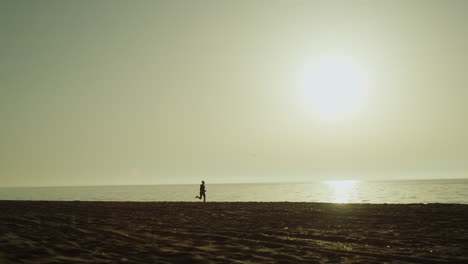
x=342, y=190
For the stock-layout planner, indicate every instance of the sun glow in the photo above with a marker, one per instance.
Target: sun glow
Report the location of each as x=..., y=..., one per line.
x=342, y=190
x=333, y=88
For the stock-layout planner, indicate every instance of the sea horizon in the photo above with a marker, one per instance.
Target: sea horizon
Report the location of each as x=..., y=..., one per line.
x=254, y=182
x=334, y=191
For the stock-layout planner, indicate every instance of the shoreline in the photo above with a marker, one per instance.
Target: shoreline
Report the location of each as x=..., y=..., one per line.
x=223, y=202
x=231, y=232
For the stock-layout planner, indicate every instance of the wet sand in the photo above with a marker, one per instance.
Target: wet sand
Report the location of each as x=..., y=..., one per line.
x=193, y=232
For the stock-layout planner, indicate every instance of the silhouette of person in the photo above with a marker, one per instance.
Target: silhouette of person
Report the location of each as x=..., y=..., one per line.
x=202, y=192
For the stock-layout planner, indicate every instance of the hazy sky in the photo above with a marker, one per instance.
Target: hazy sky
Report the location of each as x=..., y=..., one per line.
x=148, y=92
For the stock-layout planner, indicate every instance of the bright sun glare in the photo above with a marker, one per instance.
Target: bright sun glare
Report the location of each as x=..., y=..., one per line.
x=342, y=190
x=333, y=88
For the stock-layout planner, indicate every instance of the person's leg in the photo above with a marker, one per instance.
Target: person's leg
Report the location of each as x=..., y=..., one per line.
x=204, y=197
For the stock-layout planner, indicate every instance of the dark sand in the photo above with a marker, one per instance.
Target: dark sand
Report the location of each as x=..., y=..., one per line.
x=127, y=232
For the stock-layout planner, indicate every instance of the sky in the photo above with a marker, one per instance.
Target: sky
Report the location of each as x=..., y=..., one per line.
x=162, y=92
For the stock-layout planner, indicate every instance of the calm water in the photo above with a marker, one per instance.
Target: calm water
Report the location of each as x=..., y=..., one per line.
x=418, y=191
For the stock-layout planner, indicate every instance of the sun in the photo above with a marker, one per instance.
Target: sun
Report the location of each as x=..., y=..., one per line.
x=333, y=88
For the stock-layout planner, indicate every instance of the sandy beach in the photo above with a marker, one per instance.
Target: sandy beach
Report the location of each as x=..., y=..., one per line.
x=192, y=232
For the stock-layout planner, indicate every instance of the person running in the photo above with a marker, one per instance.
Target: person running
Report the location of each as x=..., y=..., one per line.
x=202, y=192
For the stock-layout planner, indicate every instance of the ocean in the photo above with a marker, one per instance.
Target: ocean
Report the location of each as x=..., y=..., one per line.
x=401, y=191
